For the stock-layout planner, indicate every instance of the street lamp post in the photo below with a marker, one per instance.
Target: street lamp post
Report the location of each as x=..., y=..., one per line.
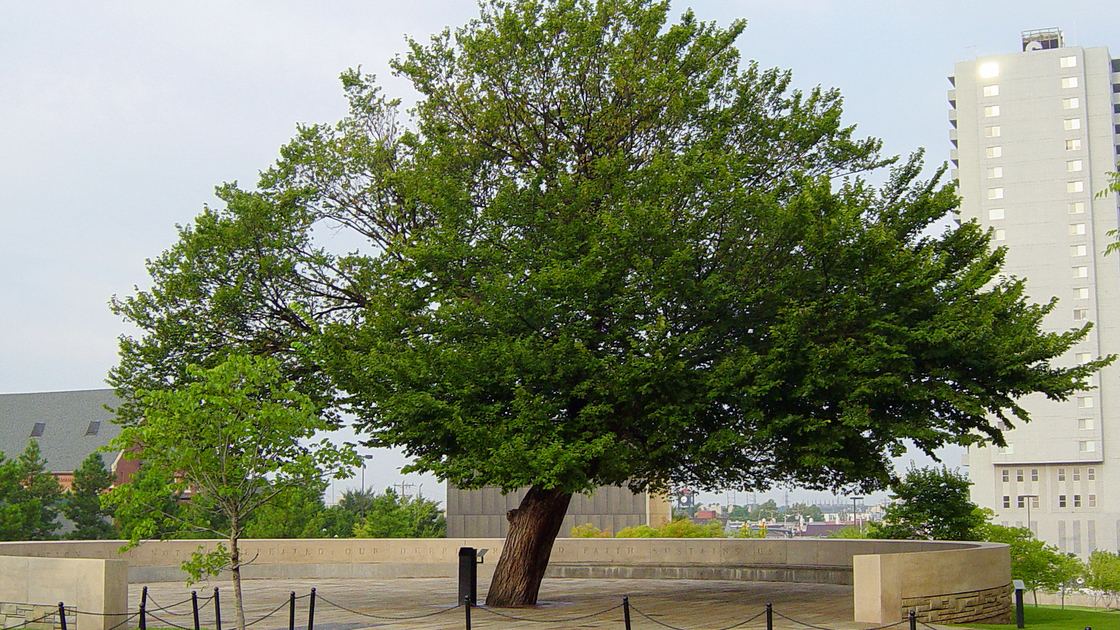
x=855, y=519
x=365, y=458
x=1028, y=498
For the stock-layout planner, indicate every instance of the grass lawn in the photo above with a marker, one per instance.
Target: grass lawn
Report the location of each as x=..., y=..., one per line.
x=1055, y=618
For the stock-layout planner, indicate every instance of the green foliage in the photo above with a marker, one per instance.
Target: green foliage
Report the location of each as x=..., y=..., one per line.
x=931, y=504
x=392, y=516
x=677, y=528
x=1055, y=618
x=295, y=512
x=29, y=497
x=151, y=490
x=82, y=505
x=587, y=530
x=1039, y=565
x=857, y=531
x=1103, y=572
x=747, y=532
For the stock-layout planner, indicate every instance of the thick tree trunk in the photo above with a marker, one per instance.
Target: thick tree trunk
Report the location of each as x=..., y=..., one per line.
x=533, y=528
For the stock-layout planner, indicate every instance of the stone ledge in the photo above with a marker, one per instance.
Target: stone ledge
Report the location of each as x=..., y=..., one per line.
x=743, y=573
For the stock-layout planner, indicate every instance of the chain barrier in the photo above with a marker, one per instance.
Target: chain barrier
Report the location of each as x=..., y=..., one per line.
x=373, y=616
x=580, y=618
x=274, y=611
x=169, y=623
x=53, y=613
x=153, y=605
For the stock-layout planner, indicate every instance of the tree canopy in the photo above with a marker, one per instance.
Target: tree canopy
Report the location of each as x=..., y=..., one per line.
x=602, y=251
x=931, y=504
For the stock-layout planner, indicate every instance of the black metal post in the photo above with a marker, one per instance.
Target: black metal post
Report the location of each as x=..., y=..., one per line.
x=468, y=575
x=62, y=615
x=913, y=621
x=311, y=611
x=292, y=611
x=217, y=610
x=467, y=608
x=1019, y=587
x=769, y=616
x=194, y=608
x=626, y=611
x=143, y=609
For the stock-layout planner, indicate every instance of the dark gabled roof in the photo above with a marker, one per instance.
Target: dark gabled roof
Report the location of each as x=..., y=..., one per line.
x=65, y=418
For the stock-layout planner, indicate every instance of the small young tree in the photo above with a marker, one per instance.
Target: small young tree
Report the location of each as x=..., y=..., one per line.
x=932, y=504
x=235, y=437
x=1103, y=574
x=92, y=519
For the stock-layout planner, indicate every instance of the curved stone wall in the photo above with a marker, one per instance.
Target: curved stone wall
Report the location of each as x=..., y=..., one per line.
x=942, y=581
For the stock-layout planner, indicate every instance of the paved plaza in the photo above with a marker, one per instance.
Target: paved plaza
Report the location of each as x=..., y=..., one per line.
x=428, y=603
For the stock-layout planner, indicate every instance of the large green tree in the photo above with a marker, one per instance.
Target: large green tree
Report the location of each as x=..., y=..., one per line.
x=92, y=519
x=236, y=436
x=30, y=497
x=604, y=252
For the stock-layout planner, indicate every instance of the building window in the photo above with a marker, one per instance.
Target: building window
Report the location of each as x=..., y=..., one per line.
x=994, y=152
x=1073, y=166
x=1071, y=187
x=1084, y=357
x=995, y=214
x=37, y=430
x=1068, y=62
x=1019, y=475
x=1006, y=501
x=1077, y=500
x=1076, y=229
x=1034, y=474
x=1092, y=473
x=1081, y=294
x=1067, y=103
x=1006, y=475
x=1061, y=474
x=1086, y=446
x=991, y=111
x=1072, y=123
x=1022, y=502
x=1077, y=207
x=996, y=193
x=1077, y=474
x=1084, y=402
x=1078, y=250
x=1085, y=424
x=1006, y=450
x=1069, y=82
x=1073, y=145
x=1092, y=500
x=1061, y=500
x=1080, y=272
x=1001, y=235
x=1034, y=502
x=93, y=428
x=994, y=132
x=1080, y=314
x=991, y=90
x=995, y=171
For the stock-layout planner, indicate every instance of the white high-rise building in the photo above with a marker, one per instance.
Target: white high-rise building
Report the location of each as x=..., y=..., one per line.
x=1036, y=133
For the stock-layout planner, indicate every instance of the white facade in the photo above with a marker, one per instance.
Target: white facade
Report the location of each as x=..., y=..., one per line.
x=1035, y=134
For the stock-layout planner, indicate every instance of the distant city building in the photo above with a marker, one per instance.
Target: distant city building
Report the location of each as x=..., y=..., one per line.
x=68, y=426
x=1035, y=133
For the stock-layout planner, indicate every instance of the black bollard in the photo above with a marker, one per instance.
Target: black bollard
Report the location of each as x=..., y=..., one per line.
x=913, y=621
x=626, y=611
x=769, y=616
x=467, y=609
x=62, y=615
x=143, y=609
x=217, y=610
x=311, y=611
x=292, y=611
x=194, y=608
x=468, y=575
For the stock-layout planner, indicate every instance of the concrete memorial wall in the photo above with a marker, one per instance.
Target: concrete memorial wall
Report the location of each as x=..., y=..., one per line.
x=942, y=581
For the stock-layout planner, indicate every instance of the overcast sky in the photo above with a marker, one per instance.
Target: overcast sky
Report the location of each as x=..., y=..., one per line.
x=118, y=118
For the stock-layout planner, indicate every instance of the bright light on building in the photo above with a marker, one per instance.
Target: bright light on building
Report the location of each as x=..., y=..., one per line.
x=989, y=69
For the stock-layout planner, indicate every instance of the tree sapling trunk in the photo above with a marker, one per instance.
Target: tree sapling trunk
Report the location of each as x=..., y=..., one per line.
x=533, y=527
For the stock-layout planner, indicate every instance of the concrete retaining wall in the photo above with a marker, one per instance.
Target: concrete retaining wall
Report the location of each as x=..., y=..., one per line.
x=90, y=586
x=943, y=581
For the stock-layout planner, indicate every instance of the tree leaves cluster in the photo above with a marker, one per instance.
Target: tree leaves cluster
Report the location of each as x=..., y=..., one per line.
x=603, y=251
x=931, y=503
